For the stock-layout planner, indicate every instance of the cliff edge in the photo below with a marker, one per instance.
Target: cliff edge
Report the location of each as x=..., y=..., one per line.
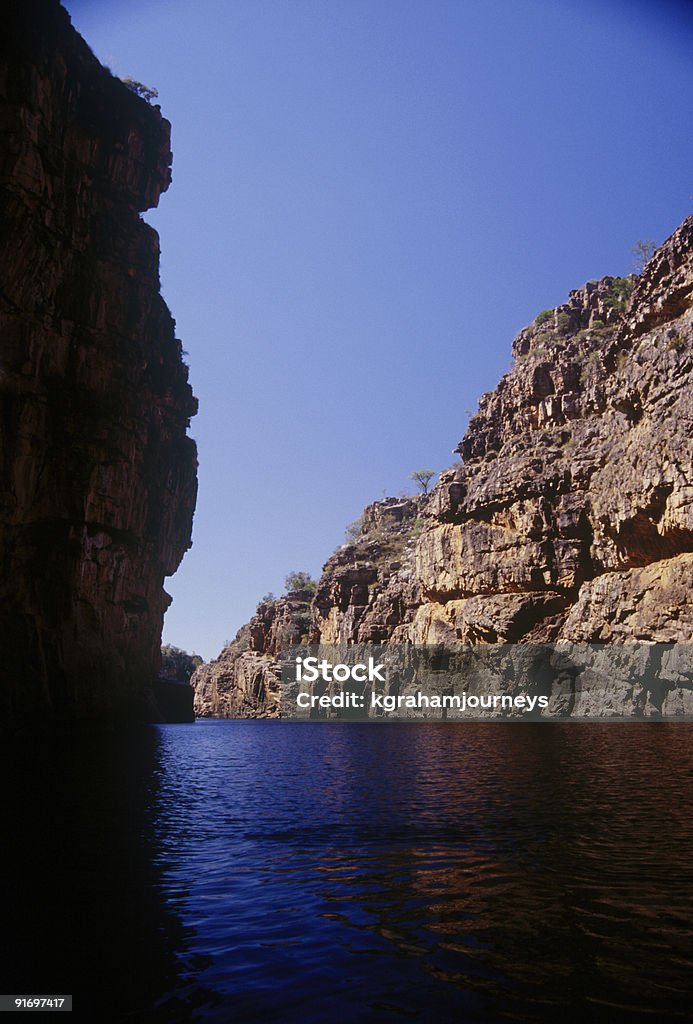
x=98, y=473
x=568, y=518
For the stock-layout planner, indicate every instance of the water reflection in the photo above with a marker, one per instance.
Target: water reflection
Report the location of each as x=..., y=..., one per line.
x=270, y=871
x=83, y=906
x=481, y=872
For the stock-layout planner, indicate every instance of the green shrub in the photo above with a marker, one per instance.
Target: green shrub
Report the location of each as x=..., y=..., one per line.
x=619, y=293
x=422, y=478
x=541, y=318
x=145, y=92
x=300, y=581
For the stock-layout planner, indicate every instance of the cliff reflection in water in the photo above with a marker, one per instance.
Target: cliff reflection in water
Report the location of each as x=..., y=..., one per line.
x=273, y=871
x=84, y=910
x=475, y=872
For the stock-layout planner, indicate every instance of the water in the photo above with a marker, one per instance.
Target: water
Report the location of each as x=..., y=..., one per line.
x=312, y=872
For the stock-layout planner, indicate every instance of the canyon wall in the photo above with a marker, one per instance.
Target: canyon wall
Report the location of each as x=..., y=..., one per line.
x=98, y=473
x=570, y=515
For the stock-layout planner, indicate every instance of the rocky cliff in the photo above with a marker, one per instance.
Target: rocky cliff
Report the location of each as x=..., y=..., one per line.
x=570, y=515
x=367, y=594
x=576, y=475
x=98, y=473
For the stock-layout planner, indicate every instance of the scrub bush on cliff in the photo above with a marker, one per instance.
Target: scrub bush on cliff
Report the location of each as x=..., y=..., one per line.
x=145, y=92
x=422, y=478
x=300, y=581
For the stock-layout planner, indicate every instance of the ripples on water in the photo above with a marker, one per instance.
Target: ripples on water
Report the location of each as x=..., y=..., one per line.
x=274, y=871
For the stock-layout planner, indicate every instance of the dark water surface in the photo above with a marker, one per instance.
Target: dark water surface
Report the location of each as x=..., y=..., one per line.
x=274, y=871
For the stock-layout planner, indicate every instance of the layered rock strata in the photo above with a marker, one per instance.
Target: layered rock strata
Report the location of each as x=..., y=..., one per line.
x=244, y=681
x=98, y=473
x=576, y=470
x=366, y=594
x=570, y=516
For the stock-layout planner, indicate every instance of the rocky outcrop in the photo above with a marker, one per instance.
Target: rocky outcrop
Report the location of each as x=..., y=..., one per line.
x=652, y=604
x=570, y=516
x=173, y=693
x=244, y=680
x=98, y=473
x=576, y=468
x=366, y=594
x=176, y=665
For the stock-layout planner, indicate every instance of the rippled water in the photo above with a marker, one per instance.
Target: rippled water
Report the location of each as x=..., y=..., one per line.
x=274, y=871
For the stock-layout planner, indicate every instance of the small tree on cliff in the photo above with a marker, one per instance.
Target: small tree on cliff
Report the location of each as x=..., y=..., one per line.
x=422, y=478
x=354, y=530
x=300, y=581
x=642, y=253
x=140, y=89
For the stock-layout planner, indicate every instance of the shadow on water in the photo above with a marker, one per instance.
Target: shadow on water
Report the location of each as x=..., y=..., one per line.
x=83, y=904
x=306, y=872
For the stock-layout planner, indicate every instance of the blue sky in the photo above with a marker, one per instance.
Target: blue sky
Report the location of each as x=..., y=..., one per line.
x=370, y=198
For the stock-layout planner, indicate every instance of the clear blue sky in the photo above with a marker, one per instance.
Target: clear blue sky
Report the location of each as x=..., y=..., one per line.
x=370, y=198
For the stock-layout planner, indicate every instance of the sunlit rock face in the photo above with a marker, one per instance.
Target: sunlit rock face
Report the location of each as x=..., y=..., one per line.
x=569, y=518
x=98, y=473
x=366, y=594
x=576, y=469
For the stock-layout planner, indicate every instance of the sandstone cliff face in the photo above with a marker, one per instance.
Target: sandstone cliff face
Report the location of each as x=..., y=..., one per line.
x=576, y=469
x=98, y=474
x=244, y=680
x=366, y=594
x=570, y=516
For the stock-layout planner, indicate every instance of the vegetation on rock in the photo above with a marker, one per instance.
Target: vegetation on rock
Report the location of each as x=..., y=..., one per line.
x=145, y=92
x=299, y=581
x=643, y=250
x=177, y=664
x=422, y=478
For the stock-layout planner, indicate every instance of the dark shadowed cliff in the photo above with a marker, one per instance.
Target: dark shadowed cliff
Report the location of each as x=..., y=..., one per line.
x=98, y=473
x=569, y=518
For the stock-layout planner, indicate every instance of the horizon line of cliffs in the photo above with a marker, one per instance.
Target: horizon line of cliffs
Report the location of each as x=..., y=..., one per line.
x=569, y=517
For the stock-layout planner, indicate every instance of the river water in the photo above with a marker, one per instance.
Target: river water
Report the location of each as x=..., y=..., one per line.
x=330, y=871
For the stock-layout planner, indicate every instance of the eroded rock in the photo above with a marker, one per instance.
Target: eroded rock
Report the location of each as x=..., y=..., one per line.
x=569, y=518
x=98, y=473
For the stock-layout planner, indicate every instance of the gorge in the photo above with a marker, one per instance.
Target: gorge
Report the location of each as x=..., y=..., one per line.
x=569, y=519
